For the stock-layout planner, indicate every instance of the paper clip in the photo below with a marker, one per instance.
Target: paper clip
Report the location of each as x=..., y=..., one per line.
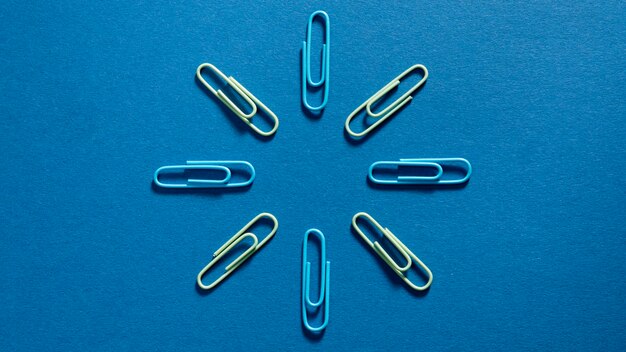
x=226, y=247
x=244, y=93
x=437, y=164
x=223, y=166
x=306, y=281
x=392, y=108
x=306, y=62
x=404, y=251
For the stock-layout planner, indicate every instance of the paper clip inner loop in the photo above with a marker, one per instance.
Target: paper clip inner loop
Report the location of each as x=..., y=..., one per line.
x=244, y=93
x=392, y=108
x=306, y=281
x=232, y=242
x=306, y=62
x=225, y=166
x=402, y=249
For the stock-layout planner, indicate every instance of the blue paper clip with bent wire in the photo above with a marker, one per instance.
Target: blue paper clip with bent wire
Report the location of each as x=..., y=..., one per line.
x=392, y=108
x=244, y=93
x=236, y=239
x=306, y=62
x=437, y=164
x=402, y=249
x=223, y=166
x=306, y=282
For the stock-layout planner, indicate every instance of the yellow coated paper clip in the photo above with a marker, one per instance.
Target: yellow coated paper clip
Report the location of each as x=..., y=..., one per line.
x=226, y=247
x=244, y=93
x=385, y=113
x=404, y=251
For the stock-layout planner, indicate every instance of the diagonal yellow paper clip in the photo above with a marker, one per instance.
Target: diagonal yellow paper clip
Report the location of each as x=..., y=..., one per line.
x=404, y=251
x=392, y=108
x=226, y=247
x=244, y=93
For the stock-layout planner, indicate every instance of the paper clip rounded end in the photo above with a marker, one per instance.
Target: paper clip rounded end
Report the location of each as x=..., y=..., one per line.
x=203, y=81
x=314, y=108
x=469, y=170
x=428, y=283
x=350, y=131
x=155, y=178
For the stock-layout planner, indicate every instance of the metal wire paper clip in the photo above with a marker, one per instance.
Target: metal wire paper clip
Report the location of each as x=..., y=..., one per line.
x=306, y=282
x=392, y=108
x=244, y=93
x=238, y=237
x=404, y=251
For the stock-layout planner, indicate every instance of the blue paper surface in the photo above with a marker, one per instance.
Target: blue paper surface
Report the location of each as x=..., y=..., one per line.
x=95, y=96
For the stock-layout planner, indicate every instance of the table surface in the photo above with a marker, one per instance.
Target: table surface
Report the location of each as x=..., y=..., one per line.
x=529, y=255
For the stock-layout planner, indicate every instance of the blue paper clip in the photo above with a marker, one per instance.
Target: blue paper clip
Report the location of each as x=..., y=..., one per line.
x=207, y=183
x=226, y=247
x=244, y=93
x=437, y=164
x=392, y=108
x=306, y=281
x=306, y=62
x=402, y=249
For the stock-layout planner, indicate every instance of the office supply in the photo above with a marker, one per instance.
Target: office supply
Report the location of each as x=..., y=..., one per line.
x=306, y=62
x=439, y=165
x=324, y=296
x=402, y=249
x=226, y=247
x=387, y=112
x=244, y=93
x=225, y=166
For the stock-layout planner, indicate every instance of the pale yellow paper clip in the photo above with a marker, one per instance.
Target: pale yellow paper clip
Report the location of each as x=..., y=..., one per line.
x=392, y=108
x=404, y=251
x=244, y=93
x=238, y=237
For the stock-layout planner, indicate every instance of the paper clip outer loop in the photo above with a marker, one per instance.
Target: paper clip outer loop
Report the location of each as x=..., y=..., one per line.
x=232, y=242
x=404, y=251
x=245, y=164
x=406, y=179
x=207, y=165
x=324, y=296
x=194, y=183
x=441, y=162
x=392, y=108
x=248, y=97
x=306, y=62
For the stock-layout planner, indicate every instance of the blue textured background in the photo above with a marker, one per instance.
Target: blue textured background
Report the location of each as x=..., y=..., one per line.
x=529, y=255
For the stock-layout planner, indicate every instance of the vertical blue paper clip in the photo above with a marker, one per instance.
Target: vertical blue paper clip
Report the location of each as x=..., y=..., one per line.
x=306, y=62
x=438, y=164
x=306, y=282
x=207, y=183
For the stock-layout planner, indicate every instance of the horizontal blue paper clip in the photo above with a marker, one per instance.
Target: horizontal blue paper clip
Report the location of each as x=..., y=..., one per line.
x=223, y=182
x=306, y=62
x=306, y=282
x=437, y=164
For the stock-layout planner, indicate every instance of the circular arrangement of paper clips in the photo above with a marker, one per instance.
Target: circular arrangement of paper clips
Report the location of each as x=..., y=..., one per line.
x=436, y=175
